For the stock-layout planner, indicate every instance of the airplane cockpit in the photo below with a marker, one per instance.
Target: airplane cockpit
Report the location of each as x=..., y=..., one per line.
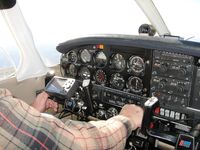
x=98, y=74
x=129, y=70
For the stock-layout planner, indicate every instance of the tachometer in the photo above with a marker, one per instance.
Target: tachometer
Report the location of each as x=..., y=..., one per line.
x=117, y=81
x=85, y=56
x=135, y=84
x=101, y=59
x=118, y=62
x=100, y=76
x=136, y=64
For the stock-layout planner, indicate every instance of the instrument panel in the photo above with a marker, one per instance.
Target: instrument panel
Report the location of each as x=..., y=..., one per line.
x=118, y=68
x=128, y=70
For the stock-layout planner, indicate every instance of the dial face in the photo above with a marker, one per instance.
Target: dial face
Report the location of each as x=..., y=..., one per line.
x=72, y=70
x=84, y=73
x=117, y=81
x=85, y=56
x=136, y=64
x=118, y=62
x=100, y=76
x=101, y=59
x=72, y=57
x=135, y=84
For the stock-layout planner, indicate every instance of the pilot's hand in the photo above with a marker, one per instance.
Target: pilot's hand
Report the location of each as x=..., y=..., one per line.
x=42, y=103
x=134, y=113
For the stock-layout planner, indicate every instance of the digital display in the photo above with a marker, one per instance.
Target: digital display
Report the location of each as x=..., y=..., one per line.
x=56, y=85
x=61, y=88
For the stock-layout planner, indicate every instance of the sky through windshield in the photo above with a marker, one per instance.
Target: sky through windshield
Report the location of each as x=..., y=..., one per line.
x=55, y=21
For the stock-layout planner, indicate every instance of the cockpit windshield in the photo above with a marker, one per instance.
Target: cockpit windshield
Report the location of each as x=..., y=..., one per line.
x=181, y=17
x=55, y=21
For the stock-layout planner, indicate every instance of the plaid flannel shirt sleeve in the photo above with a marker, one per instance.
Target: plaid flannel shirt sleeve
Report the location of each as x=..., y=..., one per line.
x=23, y=127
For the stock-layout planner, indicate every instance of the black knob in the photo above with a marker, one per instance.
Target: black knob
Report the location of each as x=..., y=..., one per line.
x=180, y=88
x=162, y=84
x=101, y=114
x=163, y=67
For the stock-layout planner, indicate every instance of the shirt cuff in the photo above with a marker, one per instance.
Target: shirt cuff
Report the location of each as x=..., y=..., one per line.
x=127, y=123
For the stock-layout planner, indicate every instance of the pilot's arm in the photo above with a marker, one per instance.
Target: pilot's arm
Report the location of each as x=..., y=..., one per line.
x=24, y=127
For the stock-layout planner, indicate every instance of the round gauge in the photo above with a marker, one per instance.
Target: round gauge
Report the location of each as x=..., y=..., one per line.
x=117, y=81
x=136, y=64
x=84, y=73
x=101, y=59
x=72, y=70
x=100, y=76
x=118, y=62
x=85, y=56
x=72, y=57
x=135, y=84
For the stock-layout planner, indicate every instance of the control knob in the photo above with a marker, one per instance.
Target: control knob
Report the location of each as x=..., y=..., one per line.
x=101, y=114
x=162, y=84
x=180, y=88
x=163, y=67
x=112, y=112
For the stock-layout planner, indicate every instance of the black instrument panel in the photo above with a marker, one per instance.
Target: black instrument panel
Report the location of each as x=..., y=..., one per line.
x=121, y=68
x=129, y=69
x=139, y=66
